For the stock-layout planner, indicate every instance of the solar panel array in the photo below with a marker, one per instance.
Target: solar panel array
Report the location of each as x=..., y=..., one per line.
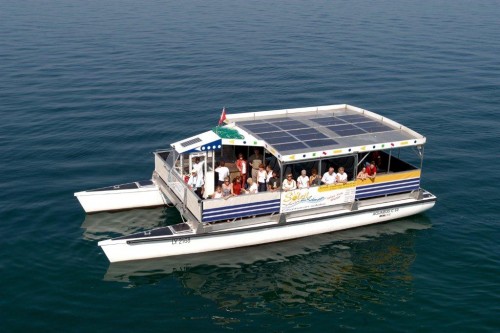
x=294, y=134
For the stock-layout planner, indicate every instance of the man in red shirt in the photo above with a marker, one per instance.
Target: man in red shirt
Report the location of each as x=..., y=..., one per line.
x=371, y=170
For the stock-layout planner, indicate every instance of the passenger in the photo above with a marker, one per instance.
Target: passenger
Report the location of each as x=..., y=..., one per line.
x=362, y=174
x=226, y=188
x=329, y=177
x=223, y=171
x=269, y=173
x=303, y=180
x=341, y=176
x=289, y=184
x=196, y=183
x=242, y=166
x=198, y=166
x=255, y=160
x=236, y=186
x=261, y=178
x=371, y=170
x=314, y=180
x=218, y=193
x=273, y=184
x=252, y=187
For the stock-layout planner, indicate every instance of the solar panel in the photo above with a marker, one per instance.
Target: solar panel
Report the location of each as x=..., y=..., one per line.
x=309, y=130
x=190, y=142
x=311, y=136
x=270, y=135
x=291, y=125
x=328, y=121
x=290, y=146
x=282, y=139
x=320, y=143
x=381, y=128
x=340, y=127
x=355, y=118
x=350, y=131
x=375, y=126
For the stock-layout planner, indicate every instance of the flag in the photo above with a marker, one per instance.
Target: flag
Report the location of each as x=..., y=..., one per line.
x=222, y=116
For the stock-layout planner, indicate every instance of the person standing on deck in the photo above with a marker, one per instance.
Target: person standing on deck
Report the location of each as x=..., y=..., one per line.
x=223, y=171
x=198, y=166
x=255, y=160
x=196, y=183
x=242, y=166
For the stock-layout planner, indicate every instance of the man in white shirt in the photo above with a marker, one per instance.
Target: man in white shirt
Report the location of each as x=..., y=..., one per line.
x=303, y=180
x=198, y=166
x=341, y=176
x=329, y=177
x=196, y=183
x=223, y=171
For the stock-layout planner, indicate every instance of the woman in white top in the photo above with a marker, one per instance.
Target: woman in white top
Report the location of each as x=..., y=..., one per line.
x=261, y=178
x=303, y=180
x=289, y=183
x=341, y=176
x=269, y=172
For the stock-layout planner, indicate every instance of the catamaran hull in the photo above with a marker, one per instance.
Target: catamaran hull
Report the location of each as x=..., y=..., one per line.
x=135, y=249
x=120, y=197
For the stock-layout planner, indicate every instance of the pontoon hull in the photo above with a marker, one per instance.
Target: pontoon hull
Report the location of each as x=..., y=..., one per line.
x=119, y=197
x=146, y=248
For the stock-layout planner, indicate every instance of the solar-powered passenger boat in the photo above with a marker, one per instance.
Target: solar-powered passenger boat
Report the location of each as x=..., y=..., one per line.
x=290, y=141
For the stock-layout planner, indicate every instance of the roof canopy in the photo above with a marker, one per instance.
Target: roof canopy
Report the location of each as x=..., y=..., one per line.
x=306, y=133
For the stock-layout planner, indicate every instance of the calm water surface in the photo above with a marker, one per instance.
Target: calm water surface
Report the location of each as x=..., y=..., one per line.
x=88, y=89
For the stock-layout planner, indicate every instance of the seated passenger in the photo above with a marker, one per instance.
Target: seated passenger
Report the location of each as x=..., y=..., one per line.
x=226, y=188
x=329, y=177
x=303, y=180
x=289, y=183
x=252, y=187
x=362, y=174
x=196, y=183
x=218, y=193
x=273, y=184
x=341, y=176
x=314, y=180
x=371, y=170
x=236, y=186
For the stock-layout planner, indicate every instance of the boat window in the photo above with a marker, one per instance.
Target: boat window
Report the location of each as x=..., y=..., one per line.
x=347, y=162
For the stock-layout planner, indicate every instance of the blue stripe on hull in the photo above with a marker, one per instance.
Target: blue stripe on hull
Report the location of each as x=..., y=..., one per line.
x=399, y=186
x=231, y=212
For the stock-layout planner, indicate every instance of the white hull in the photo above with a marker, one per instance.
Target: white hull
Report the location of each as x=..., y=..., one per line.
x=155, y=247
x=118, y=199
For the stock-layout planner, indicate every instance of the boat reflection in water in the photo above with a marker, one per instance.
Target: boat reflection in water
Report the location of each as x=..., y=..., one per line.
x=114, y=224
x=323, y=271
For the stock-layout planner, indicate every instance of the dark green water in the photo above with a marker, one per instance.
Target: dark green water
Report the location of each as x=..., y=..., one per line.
x=88, y=89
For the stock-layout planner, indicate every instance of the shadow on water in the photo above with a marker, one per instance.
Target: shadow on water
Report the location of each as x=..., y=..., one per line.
x=324, y=271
